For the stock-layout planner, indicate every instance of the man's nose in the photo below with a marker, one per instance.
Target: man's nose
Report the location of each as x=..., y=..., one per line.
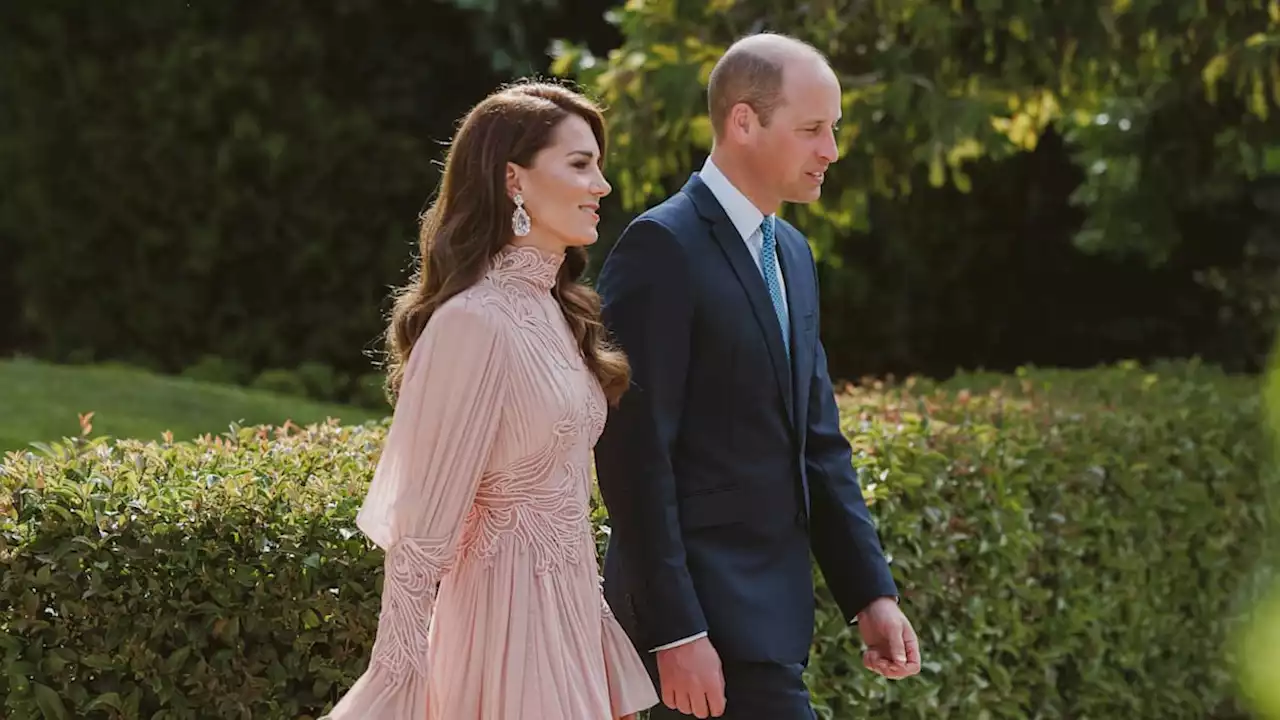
x=829, y=151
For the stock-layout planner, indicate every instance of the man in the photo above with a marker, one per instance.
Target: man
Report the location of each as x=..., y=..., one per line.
x=724, y=464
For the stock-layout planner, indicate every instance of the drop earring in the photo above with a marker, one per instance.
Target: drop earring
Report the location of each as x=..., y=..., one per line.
x=520, y=223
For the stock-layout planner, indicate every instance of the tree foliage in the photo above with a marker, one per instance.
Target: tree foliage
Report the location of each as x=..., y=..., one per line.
x=188, y=184
x=1164, y=103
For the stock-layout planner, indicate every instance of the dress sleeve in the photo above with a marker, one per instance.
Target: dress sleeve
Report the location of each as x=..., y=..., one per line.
x=630, y=687
x=442, y=433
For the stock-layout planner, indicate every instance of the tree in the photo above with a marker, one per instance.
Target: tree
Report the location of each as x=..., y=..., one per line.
x=1166, y=104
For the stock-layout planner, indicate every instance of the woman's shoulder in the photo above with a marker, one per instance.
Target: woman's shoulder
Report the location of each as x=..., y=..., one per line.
x=465, y=327
x=480, y=307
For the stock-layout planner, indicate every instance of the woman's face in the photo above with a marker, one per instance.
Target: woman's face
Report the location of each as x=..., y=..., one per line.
x=563, y=185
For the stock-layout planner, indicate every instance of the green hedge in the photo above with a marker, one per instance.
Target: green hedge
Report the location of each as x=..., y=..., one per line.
x=1071, y=545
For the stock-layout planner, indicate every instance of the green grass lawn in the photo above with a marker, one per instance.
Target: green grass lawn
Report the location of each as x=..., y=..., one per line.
x=43, y=402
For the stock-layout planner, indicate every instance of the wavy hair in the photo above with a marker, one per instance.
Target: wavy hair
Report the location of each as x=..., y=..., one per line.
x=469, y=221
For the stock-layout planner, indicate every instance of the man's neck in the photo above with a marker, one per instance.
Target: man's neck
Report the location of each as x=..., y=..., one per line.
x=736, y=172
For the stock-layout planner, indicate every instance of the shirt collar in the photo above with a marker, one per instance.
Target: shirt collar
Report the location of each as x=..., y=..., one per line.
x=744, y=215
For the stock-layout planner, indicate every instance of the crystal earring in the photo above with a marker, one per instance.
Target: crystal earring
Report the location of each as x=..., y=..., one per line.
x=520, y=219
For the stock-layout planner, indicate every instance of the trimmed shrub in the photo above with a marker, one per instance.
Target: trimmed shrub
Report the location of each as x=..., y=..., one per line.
x=221, y=577
x=1070, y=545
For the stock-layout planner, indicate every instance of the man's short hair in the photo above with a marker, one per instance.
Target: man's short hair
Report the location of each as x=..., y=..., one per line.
x=750, y=72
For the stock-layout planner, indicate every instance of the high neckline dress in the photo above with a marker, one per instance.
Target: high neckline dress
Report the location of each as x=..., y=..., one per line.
x=492, y=607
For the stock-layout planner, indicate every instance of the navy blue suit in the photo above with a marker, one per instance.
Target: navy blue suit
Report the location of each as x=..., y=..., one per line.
x=724, y=464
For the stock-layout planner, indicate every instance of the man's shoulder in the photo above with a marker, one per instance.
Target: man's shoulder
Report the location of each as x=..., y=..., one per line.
x=782, y=226
x=676, y=214
x=786, y=229
x=658, y=240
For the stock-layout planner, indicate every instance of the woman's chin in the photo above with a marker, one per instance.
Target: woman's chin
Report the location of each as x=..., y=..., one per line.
x=583, y=239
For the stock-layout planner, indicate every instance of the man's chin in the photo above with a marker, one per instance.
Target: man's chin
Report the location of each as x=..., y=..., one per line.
x=806, y=195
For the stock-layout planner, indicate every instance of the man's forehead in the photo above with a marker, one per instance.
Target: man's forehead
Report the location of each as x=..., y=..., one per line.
x=813, y=90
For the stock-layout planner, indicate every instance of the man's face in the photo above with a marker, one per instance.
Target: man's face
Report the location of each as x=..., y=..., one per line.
x=794, y=150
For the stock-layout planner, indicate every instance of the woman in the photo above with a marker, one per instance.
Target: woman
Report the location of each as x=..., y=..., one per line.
x=491, y=607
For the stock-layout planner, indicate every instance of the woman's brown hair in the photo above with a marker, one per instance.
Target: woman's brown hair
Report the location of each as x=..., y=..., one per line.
x=470, y=221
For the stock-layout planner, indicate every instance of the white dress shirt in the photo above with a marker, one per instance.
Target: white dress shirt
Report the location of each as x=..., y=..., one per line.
x=747, y=218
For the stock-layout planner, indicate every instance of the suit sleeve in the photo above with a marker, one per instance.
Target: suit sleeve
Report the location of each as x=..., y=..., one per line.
x=844, y=539
x=645, y=288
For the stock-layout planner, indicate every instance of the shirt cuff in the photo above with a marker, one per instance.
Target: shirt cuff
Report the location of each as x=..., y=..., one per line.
x=678, y=643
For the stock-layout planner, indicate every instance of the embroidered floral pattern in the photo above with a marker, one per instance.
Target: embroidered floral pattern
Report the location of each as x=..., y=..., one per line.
x=524, y=276
x=539, y=503
x=526, y=267
x=412, y=571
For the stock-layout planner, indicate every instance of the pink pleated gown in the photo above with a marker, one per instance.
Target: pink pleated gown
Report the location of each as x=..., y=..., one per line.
x=492, y=607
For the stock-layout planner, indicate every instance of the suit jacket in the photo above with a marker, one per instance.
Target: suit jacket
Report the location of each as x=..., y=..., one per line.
x=724, y=464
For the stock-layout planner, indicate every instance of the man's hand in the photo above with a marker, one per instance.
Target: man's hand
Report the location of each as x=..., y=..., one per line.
x=691, y=678
x=892, y=648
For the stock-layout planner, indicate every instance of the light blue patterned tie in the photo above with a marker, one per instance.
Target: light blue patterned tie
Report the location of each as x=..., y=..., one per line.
x=769, y=267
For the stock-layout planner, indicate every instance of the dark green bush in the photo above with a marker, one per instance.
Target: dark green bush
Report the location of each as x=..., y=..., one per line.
x=311, y=379
x=370, y=391
x=219, y=370
x=323, y=382
x=278, y=380
x=1070, y=545
x=253, y=172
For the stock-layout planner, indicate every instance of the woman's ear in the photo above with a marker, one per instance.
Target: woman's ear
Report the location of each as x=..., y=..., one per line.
x=513, y=180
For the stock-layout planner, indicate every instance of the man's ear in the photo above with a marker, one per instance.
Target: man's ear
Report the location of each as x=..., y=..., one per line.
x=740, y=122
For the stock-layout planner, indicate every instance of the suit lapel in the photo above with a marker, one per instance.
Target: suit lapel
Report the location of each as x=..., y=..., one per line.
x=748, y=273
